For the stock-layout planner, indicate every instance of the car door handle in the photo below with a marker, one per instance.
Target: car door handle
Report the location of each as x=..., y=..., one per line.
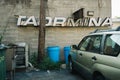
x=94, y=58
x=80, y=54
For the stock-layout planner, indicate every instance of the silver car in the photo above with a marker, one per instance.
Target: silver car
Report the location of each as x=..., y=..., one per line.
x=97, y=56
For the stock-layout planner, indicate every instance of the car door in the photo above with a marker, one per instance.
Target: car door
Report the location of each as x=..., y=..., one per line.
x=89, y=52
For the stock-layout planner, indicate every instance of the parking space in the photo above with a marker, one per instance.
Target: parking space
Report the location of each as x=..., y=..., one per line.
x=47, y=75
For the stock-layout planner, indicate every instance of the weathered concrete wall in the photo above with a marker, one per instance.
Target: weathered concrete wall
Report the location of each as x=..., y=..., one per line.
x=54, y=35
x=16, y=34
x=101, y=8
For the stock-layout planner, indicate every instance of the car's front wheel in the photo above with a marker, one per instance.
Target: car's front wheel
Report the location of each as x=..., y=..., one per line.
x=71, y=66
x=98, y=77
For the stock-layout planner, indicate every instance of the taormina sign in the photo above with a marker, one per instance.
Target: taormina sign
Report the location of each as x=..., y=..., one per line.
x=61, y=21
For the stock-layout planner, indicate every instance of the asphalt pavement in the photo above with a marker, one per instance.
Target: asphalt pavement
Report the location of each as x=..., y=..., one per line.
x=63, y=74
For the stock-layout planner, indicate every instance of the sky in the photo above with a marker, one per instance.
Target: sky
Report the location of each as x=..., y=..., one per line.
x=115, y=8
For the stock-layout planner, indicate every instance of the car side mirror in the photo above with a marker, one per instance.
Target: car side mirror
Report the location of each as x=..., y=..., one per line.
x=75, y=47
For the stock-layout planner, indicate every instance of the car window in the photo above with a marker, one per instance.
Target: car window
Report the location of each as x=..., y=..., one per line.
x=85, y=43
x=112, y=45
x=91, y=44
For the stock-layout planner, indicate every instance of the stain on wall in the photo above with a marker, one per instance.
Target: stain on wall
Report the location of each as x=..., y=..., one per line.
x=15, y=2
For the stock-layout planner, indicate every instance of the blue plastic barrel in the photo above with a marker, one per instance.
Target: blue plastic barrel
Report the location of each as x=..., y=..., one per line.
x=66, y=53
x=54, y=53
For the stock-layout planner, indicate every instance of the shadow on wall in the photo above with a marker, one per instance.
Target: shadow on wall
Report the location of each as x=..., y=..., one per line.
x=14, y=2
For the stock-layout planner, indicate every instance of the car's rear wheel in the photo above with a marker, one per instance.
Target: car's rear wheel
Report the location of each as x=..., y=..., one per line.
x=98, y=77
